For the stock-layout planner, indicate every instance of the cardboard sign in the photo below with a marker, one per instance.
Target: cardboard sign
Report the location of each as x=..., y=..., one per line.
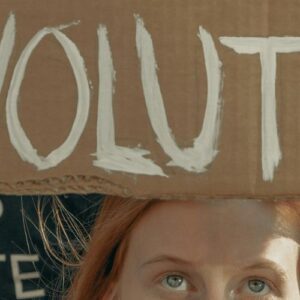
x=171, y=99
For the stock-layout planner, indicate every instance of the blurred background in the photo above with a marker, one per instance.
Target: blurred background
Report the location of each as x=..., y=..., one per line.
x=32, y=267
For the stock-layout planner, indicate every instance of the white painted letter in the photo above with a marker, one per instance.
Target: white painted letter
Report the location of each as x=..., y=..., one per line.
x=6, y=46
x=268, y=49
x=109, y=155
x=2, y=258
x=204, y=150
x=17, y=135
x=18, y=277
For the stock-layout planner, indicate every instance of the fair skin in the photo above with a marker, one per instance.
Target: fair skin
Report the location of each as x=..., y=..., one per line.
x=228, y=250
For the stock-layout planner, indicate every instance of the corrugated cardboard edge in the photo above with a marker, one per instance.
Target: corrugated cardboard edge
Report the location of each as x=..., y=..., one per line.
x=82, y=184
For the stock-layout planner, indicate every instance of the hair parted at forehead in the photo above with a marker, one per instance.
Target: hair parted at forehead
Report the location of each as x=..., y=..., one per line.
x=103, y=260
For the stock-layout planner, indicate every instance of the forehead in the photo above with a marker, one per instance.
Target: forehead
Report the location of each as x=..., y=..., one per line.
x=214, y=232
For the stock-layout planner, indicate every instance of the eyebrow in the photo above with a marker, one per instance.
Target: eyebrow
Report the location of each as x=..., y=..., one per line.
x=263, y=264
x=167, y=258
x=269, y=264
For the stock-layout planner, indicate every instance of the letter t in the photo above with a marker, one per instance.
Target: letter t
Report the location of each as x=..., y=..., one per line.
x=268, y=48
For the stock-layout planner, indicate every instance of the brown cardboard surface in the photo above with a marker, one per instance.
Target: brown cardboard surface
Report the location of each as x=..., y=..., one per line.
x=48, y=97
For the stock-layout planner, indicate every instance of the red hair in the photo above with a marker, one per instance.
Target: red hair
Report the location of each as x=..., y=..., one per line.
x=106, y=252
x=107, y=247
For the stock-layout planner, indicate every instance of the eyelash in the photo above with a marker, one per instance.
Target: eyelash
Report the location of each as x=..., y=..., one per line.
x=175, y=273
x=272, y=286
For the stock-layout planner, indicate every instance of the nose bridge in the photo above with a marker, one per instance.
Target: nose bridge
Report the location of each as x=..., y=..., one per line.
x=217, y=294
x=216, y=283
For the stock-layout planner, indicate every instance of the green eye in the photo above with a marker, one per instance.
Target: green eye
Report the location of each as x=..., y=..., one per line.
x=258, y=287
x=175, y=282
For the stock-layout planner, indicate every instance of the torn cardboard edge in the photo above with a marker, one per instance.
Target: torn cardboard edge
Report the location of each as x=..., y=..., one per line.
x=204, y=169
x=81, y=184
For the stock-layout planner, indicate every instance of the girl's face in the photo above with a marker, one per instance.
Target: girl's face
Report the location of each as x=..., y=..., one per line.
x=201, y=251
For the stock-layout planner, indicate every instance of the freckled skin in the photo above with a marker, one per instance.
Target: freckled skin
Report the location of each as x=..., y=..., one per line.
x=215, y=243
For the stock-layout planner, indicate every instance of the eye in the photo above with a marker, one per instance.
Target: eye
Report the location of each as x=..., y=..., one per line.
x=175, y=282
x=257, y=287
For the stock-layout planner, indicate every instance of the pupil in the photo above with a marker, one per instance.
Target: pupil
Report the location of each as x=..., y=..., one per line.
x=174, y=281
x=256, y=285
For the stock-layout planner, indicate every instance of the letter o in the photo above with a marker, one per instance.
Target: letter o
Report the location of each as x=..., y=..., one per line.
x=16, y=133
